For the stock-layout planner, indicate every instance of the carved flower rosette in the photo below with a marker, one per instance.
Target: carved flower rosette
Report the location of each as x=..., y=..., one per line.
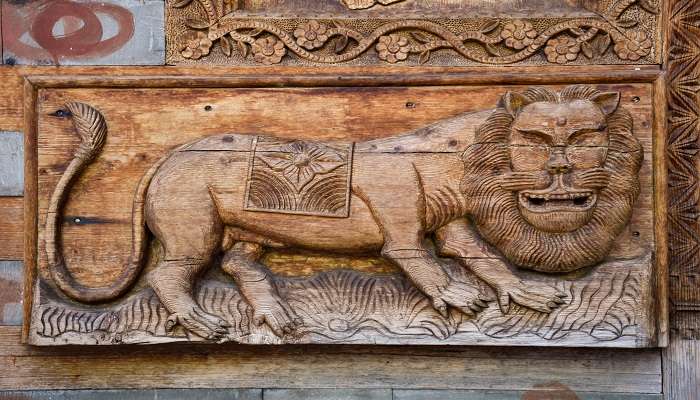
x=617, y=31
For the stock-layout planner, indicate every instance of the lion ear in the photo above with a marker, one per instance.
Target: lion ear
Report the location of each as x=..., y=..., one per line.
x=513, y=102
x=608, y=101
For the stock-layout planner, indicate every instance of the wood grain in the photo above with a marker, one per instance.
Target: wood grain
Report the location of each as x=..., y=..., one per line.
x=11, y=228
x=682, y=144
x=681, y=369
x=625, y=371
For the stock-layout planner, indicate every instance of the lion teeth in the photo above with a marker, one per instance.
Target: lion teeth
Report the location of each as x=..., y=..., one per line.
x=562, y=196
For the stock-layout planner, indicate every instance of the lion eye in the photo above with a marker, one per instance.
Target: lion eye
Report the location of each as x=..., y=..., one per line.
x=586, y=136
x=534, y=136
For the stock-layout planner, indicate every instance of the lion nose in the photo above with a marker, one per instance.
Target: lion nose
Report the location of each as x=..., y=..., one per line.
x=558, y=164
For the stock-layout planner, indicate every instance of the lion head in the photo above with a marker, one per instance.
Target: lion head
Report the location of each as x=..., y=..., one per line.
x=551, y=178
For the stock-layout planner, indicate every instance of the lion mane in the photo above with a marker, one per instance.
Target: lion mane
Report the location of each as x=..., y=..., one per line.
x=494, y=210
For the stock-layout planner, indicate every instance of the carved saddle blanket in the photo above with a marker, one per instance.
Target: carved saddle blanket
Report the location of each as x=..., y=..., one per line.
x=299, y=177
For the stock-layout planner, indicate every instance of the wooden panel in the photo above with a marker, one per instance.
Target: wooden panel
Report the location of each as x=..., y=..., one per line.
x=328, y=394
x=552, y=390
x=406, y=113
x=684, y=194
x=153, y=394
x=11, y=292
x=84, y=32
x=681, y=369
x=590, y=370
x=11, y=228
x=432, y=32
x=11, y=164
x=11, y=97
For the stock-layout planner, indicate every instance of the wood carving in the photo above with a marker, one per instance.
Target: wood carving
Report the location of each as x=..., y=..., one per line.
x=598, y=32
x=360, y=4
x=682, y=142
x=503, y=233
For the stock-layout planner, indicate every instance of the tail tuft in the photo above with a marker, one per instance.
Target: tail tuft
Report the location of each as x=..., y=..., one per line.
x=91, y=127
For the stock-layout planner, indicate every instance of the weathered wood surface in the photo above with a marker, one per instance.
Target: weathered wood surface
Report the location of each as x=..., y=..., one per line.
x=12, y=228
x=11, y=292
x=589, y=370
x=413, y=32
x=681, y=368
x=84, y=32
x=552, y=390
x=152, y=394
x=69, y=360
x=643, y=230
x=683, y=169
x=11, y=164
x=545, y=391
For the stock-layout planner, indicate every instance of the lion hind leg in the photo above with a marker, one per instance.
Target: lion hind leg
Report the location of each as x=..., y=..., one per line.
x=258, y=287
x=190, y=241
x=173, y=281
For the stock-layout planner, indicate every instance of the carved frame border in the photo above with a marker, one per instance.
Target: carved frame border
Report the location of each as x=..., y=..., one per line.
x=683, y=70
x=312, y=77
x=606, y=32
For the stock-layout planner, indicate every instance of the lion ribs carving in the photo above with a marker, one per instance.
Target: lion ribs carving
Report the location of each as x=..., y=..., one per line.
x=476, y=220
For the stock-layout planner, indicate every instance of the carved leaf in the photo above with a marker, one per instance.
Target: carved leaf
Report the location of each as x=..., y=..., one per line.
x=649, y=7
x=424, y=57
x=341, y=44
x=626, y=23
x=494, y=50
x=255, y=32
x=196, y=23
x=601, y=44
x=587, y=49
x=226, y=46
x=577, y=31
x=181, y=3
x=242, y=48
x=421, y=37
x=489, y=26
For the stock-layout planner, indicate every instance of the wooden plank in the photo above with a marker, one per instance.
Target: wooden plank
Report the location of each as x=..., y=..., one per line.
x=681, y=368
x=552, y=390
x=684, y=172
x=153, y=394
x=432, y=32
x=11, y=292
x=106, y=200
x=11, y=111
x=327, y=394
x=29, y=94
x=238, y=366
x=114, y=32
x=11, y=228
x=11, y=164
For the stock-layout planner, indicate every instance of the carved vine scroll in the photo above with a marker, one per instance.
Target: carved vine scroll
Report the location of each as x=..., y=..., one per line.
x=505, y=226
x=608, y=31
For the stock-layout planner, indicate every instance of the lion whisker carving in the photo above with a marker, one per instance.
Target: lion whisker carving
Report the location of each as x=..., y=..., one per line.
x=547, y=185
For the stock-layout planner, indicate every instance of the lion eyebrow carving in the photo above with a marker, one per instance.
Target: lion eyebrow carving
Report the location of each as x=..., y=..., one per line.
x=513, y=102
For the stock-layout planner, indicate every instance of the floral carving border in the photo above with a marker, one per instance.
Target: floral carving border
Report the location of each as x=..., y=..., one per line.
x=683, y=179
x=618, y=32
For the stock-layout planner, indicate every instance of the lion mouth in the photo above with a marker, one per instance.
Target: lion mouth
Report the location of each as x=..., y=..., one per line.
x=566, y=201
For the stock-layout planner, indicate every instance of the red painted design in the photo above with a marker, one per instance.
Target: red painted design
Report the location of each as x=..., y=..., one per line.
x=83, y=28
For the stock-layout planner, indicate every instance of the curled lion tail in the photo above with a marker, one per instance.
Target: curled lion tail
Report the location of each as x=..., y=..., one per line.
x=91, y=126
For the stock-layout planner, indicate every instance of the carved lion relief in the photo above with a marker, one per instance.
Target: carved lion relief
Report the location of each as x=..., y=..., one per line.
x=504, y=232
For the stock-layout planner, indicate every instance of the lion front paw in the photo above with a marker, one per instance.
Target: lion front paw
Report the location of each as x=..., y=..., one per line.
x=199, y=322
x=277, y=313
x=462, y=296
x=538, y=296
